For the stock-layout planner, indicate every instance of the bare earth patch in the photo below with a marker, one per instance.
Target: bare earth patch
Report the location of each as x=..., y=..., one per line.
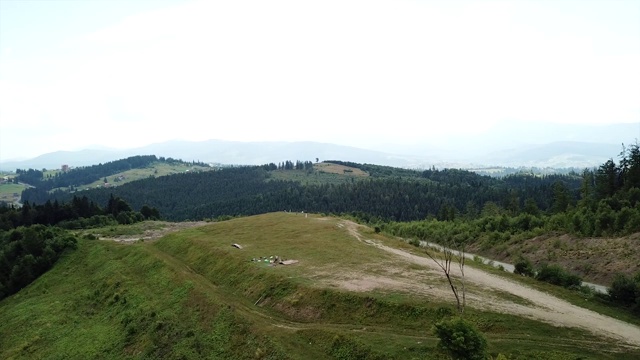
x=155, y=232
x=538, y=305
x=596, y=260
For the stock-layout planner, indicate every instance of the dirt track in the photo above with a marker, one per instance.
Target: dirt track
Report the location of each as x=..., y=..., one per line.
x=547, y=308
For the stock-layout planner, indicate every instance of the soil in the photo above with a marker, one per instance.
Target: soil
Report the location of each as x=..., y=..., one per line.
x=596, y=260
x=154, y=233
x=540, y=306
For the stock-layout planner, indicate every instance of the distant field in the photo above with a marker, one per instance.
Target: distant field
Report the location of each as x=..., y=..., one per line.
x=156, y=170
x=339, y=169
x=323, y=173
x=8, y=192
x=51, y=173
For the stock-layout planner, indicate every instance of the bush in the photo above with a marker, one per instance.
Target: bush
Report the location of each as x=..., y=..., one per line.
x=556, y=275
x=461, y=340
x=523, y=267
x=624, y=290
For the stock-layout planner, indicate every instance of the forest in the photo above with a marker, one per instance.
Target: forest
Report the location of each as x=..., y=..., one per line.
x=596, y=202
x=445, y=206
x=32, y=238
x=85, y=175
x=384, y=195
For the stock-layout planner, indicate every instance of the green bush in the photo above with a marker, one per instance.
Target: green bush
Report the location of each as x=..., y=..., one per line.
x=556, y=275
x=523, y=267
x=624, y=290
x=461, y=340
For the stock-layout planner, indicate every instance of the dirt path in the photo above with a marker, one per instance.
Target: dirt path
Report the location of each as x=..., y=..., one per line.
x=547, y=308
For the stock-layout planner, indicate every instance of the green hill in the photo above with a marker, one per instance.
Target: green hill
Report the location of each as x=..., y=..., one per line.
x=191, y=295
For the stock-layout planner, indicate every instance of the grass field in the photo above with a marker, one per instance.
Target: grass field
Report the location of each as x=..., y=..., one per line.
x=322, y=173
x=8, y=192
x=191, y=295
x=156, y=169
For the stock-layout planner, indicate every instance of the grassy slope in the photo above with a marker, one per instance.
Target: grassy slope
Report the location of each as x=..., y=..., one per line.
x=156, y=169
x=7, y=191
x=191, y=295
x=323, y=173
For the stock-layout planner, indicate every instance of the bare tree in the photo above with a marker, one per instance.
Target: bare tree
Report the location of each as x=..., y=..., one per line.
x=449, y=256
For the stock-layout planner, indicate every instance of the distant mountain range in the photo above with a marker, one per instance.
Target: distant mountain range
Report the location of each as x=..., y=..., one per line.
x=498, y=147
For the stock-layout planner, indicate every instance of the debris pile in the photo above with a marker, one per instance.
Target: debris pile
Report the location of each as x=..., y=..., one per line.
x=274, y=260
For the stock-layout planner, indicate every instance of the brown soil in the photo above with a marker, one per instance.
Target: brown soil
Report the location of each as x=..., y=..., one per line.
x=154, y=233
x=540, y=306
x=596, y=260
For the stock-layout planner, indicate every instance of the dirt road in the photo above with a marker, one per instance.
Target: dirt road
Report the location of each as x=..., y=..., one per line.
x=546, y=308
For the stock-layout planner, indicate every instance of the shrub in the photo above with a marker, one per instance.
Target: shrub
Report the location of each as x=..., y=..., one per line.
x=624, y=290
x=556, y=275
x=461, y=340
x=523, y=267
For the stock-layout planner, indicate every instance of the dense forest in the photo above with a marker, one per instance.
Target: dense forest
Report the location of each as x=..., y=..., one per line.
x=606, y=203
x=389, y=194
x=32, y=238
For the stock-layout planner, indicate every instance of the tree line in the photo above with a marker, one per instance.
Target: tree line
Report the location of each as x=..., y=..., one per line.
x=86, y=175
x=249, y=190
x=33, y=237
x=78, y=212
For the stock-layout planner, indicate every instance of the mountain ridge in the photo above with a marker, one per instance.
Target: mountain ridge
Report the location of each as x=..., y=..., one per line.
x=548, y=146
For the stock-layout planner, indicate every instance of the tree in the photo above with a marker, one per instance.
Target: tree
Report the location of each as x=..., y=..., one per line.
x=530, y=207
x=586, y=192
x=561, y=198
x=607, y=179
x=449, y=257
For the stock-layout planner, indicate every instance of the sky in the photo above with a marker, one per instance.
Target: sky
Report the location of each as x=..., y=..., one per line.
x=128, y=73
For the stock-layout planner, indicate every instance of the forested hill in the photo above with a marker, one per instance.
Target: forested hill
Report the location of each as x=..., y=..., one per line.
x=89, y=174
x=388, y=193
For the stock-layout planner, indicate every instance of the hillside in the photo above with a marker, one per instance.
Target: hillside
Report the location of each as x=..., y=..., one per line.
x=190, y=294
x=378, y=191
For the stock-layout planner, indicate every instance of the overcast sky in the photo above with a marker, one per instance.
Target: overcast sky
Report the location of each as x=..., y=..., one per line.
x=123, y=73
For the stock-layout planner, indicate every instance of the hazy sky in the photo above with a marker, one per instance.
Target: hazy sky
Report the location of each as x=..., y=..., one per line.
x=127, y=73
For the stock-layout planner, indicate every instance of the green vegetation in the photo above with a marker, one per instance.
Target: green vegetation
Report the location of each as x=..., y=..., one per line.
x=192, y=295
x=461, y=340
x=10, y=192
x=28, y=252
x=321, y=173
x=101, y=175
x=554, y=274
x=626, y=291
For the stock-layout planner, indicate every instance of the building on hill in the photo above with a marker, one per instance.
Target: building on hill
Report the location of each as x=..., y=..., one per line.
x=65, y=168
